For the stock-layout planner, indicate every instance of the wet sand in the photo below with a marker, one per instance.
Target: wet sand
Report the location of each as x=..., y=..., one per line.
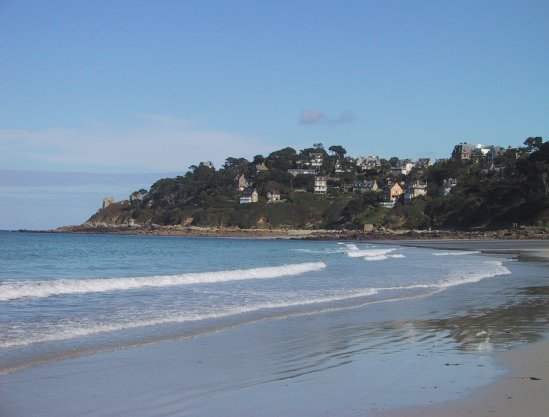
x=523, y=249
x=523, y=390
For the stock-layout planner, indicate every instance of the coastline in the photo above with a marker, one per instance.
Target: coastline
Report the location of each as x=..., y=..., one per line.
x=313, y=234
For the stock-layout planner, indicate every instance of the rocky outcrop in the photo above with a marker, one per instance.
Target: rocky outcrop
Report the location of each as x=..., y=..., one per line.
x=112, y=215
x=107, y=201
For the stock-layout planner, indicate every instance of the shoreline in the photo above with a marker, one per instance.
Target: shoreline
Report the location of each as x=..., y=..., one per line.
x=522, y=390
x=313, y=234
x=522, y=249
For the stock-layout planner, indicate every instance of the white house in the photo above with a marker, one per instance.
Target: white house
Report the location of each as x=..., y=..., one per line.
x=368, y=162
x=321, y=185
x=249, y=196
x=316, y=159
x=402, y=168
x=273, y=197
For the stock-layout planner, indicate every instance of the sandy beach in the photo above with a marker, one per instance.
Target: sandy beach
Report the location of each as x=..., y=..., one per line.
x=523, y=390
x=520, y=392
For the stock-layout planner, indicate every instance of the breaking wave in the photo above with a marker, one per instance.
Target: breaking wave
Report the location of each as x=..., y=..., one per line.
x=495, y=268
x=75, y=330
x=372, y=254
x=15, y=290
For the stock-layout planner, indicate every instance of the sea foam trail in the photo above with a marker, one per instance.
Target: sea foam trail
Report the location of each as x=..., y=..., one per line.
x=15, y=290
x=74, y=331
x=494, y=268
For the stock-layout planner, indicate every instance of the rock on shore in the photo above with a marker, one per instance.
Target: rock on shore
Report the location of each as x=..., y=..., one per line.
x=383, y=234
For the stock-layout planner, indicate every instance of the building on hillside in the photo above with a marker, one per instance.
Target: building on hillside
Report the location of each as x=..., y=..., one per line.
x=321, y=185
x=424, y=163
x=241, y=182
x=316, y=159
x=392, y=192
x=366, y=163
x=403, y=167
x=447, y=186
x=249, y=196
x=261, y=167
x=365, y=186
x=462, y=152
x=273, y=197
x=301, y=171
x=415, y=189
x=493, y=153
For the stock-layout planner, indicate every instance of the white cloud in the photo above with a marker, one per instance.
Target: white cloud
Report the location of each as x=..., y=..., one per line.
x=317, y=117
x=312, y=117
x=154, y=143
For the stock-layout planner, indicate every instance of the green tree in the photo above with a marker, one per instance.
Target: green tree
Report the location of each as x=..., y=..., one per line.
x=533, y=144
x=338, y=150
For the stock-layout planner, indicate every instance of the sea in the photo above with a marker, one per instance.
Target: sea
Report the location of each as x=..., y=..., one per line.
x=332, y=304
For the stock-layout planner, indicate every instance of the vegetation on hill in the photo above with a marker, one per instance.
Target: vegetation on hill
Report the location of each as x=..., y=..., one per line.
x=510, y=189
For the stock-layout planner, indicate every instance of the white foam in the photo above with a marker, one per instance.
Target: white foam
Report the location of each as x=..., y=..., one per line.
x=368, y=253
x=16, y=290
x=494, y=268
x=375, y=258
x=455, y=253
x=75, y=330
x=371, y=254
x=327, y=251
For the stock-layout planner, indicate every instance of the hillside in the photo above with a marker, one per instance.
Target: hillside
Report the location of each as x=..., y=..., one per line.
x=478, y=188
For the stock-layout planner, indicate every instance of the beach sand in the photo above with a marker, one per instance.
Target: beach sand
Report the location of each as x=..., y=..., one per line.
x=524, y=390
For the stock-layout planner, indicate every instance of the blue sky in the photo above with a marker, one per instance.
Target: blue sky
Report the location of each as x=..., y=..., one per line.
x=149, y=88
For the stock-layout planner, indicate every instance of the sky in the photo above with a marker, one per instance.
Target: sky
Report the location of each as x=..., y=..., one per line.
x=102, y=98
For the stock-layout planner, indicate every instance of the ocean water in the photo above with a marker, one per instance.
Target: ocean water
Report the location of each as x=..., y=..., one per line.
x=63, y=296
